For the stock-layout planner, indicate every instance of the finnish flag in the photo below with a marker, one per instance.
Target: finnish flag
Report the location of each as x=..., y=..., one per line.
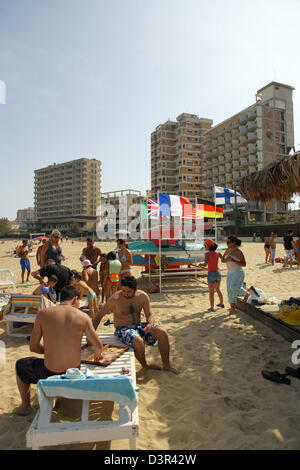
x=226, y=196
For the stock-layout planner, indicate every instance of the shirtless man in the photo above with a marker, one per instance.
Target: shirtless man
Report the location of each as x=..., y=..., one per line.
x=273, y=247
x=127, y=305
x=62, y=329
x=91, y=253
x=23, y=253
x=39, y=252
x=90, y=276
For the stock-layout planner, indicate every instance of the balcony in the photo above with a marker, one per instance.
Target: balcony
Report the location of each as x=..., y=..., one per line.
x=243, y=130
x=252, y=137
x=243, y=119
x=251, y=125
x=221, y=159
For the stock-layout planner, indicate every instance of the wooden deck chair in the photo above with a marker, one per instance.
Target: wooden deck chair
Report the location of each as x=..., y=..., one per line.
x=44, y=433
x=7, y=279
x=22, y=308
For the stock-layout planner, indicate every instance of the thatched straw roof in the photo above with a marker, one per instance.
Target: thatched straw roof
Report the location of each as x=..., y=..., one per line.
x=277, y=181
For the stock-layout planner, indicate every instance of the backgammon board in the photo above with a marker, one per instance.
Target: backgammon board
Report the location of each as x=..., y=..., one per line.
x=110, y=353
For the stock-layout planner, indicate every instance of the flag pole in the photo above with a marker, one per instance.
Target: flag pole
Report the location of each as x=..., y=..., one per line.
x=235, y=211
x=159, y=242
x=216, y=230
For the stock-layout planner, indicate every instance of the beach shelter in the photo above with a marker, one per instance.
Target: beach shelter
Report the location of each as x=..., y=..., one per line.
x=278, y=181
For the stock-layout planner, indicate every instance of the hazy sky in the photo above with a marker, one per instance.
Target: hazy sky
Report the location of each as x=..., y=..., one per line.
x=94, y=78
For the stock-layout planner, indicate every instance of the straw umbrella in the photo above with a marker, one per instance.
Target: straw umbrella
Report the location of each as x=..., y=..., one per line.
x=278, y=181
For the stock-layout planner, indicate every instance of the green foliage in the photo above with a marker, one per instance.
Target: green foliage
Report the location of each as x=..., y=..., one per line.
x=4, y=226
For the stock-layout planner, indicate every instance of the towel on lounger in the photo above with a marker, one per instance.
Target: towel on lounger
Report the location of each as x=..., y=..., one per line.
x=118, y=389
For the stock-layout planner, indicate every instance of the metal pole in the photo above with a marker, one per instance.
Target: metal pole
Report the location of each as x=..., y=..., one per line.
x=235, y=212
x=216, y=230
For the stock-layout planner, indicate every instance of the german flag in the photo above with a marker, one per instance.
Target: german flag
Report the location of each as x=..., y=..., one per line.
x=204, y=210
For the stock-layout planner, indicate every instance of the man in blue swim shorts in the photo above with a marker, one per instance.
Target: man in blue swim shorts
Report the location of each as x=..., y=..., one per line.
x=23, y=253
x=126, y=306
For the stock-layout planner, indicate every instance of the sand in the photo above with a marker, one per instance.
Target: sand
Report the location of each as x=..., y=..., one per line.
x=219, y=400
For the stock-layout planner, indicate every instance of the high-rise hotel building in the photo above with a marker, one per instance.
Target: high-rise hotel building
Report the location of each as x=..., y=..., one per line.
x=68, y=193
x=248, y=141
x=190, y=156
x=176, y=164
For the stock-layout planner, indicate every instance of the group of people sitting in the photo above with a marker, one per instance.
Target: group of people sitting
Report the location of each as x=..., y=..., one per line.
x=63, y=325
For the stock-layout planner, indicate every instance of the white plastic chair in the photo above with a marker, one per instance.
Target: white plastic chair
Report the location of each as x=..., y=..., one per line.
x=7, y=279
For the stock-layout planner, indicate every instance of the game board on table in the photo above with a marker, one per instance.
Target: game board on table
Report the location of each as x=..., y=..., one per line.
x=110, y=353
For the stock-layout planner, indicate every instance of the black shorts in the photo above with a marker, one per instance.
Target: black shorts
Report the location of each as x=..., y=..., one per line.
x=32, y=369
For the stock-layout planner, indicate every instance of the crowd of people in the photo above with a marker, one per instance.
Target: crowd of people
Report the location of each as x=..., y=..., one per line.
x=110, y=275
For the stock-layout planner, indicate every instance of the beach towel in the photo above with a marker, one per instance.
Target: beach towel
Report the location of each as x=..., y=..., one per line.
x=21, y=301
x=118, y=389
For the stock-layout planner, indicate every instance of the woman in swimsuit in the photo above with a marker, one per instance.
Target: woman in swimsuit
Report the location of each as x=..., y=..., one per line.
x=52, y=249
x=267, y=248
x=125, y=258
x=235, y=261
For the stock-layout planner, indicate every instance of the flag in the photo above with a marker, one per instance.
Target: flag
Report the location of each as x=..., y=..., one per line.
x=205, y=210
x=144, y=210
x=226, y=196
x=192, y=216
x=175, y=206
x=152, y=207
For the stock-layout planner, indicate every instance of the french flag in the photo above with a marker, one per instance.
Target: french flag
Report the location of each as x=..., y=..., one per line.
x=175, y=206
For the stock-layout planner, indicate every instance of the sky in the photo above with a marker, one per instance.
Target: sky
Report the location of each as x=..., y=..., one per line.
x=93, y=78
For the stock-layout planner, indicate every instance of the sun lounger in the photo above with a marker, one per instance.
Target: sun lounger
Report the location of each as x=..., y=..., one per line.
x=109, y=385
x=7, y=279
x=23, y=308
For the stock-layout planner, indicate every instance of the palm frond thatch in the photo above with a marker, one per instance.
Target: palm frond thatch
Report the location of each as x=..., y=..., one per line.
x=277, y=181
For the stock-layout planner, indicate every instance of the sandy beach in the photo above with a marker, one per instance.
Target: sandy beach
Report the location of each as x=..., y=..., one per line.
x=219, y=400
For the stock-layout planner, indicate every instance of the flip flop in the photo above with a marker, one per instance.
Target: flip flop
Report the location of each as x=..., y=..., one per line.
x=275, y=376
x=108, y=322
x=293, y=372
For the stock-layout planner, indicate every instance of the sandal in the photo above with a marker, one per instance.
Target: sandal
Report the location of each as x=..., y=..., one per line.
x=293, y=372
x=275, y=376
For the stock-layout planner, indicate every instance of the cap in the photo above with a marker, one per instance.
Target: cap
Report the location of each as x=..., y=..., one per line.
x=86, y=263
x=209, y=242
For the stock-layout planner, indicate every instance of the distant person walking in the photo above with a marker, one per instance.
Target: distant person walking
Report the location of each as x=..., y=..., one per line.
x=290, y=248
x=235, y=262
x=254, y=237
x=52, y=249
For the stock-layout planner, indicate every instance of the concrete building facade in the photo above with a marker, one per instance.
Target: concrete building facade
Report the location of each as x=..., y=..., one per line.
x=122, y=201
x=176, y=164
x=68, y=193
x=249, y=141
x=26, y=218
x=190, y=156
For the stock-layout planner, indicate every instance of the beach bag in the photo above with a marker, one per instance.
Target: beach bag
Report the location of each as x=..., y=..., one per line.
x=291, y=318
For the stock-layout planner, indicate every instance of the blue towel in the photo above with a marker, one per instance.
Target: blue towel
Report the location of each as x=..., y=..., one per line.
x=118, y=389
